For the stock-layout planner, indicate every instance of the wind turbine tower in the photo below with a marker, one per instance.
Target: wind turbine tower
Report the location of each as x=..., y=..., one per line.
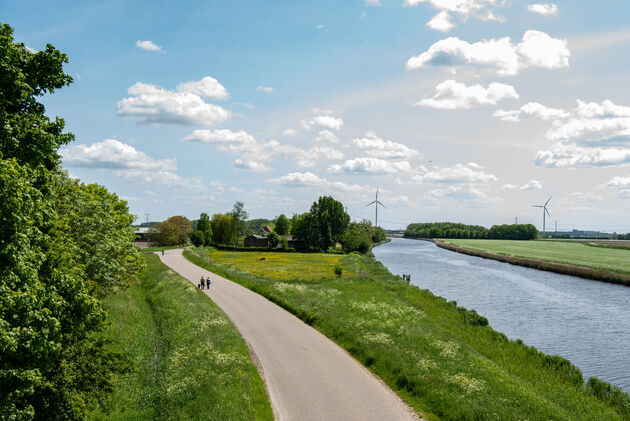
x=544, y=208
x=375, y=203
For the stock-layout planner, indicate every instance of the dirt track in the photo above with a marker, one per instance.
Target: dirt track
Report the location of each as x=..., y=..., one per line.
x=308, y=377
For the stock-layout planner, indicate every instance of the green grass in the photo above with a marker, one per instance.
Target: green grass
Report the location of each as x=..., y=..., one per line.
x=574, y=253
x=190, y=361
x=441, y=359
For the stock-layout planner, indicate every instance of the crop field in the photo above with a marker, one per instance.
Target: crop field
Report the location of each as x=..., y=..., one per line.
x=575, y=253
x=282, y=266
x=443, y=360
x=190, y=362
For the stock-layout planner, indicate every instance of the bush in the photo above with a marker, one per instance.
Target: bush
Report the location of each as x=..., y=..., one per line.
x=273, y=239
x=338, y=270
x=198, y=238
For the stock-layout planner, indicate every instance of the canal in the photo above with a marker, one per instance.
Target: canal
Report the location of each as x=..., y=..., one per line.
x=587, y=322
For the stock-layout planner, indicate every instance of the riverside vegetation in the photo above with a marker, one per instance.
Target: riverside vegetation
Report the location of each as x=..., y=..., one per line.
x=443, y=360
x=191, y=362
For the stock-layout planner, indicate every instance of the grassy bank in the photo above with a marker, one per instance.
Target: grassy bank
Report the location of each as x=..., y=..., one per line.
x=572, y=258
x=441, y=359
x=190, y=361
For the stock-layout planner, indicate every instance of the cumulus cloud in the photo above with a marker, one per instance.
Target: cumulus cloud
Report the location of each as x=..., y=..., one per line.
x=373, y=166
x=531, y=109
x=459, y=173
x=326, y=136
x=459, y=193
x=617, y=183
x=374, y=146
x=250, y=165
x=571, y=155
x=373, y=2
x=220, y=136
x=441, y=22
x=149, y=46
x=289, y=132
x=207, y=87
x=308, y=179
x=530, y=185
x=129, y=163
x=544, y=9
x=451, y=95
x=112, y=154
x=536, y=49
x=265, y=89
x=152, y=104
x=327, y=121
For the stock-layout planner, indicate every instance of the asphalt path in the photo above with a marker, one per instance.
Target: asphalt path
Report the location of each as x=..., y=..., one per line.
x=307, y=376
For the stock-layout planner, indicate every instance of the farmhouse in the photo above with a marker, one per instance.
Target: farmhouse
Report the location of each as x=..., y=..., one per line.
x=254, y=240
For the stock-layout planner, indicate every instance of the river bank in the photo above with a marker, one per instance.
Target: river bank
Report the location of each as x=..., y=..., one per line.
x=561, y=268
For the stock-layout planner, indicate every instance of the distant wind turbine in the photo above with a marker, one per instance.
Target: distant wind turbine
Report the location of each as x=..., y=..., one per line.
x=544, y=208
x=375, y=203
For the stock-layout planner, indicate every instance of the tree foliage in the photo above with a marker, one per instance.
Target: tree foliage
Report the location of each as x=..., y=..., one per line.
x=224, y=229
x=198, y=238
x=323, y=226
x=456, y=230
x=240, y=218
x=172, y=232
x=282, y=225
x=273, y=239
x=61, y=244
x=204, y=225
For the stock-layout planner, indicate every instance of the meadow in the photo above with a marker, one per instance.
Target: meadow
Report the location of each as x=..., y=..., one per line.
x=443, y=360
x=190, y=361
x=574, y=253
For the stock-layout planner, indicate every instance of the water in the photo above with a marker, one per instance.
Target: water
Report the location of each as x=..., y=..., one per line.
x=587, y=322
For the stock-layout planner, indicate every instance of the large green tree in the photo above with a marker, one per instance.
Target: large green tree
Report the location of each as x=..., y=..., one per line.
x=172, y=232
x=331, y=219
x=224, y=229
x=204, y=225
x=51, y=367
x=240, y=216
x=282, y=225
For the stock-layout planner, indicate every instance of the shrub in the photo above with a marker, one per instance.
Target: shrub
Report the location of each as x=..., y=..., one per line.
x=338, y=270
x=198, y=238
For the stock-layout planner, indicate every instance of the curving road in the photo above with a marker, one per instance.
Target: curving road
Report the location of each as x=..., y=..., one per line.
x=308, y=377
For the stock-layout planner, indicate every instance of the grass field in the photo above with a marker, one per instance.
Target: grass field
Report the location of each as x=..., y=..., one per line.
x=575, y=253
x=441, y=359
x=191, y=362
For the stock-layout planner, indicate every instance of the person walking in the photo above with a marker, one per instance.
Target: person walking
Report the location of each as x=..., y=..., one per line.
x=208, y=281
x=202, y=283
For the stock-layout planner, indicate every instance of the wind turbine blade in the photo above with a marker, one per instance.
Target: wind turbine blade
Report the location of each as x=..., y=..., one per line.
x=547, y=200
x=533, y=206
x=380, y=203
x=371, y=203
x=547, y=212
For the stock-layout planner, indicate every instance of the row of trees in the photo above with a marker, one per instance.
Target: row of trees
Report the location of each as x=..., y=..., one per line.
x=63, y=245
x=457, y=230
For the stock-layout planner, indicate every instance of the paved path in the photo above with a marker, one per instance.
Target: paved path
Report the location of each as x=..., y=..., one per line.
x=308, y=377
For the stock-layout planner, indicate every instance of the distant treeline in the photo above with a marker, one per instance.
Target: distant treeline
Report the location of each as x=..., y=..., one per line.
x=457, y=230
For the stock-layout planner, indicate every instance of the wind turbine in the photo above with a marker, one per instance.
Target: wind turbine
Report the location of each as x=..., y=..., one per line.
x=544, y=207
x=375, y=203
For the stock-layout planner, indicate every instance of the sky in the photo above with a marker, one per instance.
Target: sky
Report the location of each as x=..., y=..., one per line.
x=456, y=110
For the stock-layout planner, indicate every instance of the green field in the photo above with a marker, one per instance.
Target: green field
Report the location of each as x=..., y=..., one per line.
x=574, y=253
x=190, y=361
x=441, y=359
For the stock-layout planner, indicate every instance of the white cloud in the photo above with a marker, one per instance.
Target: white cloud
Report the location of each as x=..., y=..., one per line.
x=459, y=173
x=319, y=26
x=617, y=183
x=530, y=185
x=452, y=95
x=536, y=49
x=327, y=121
x=113, y=154
x=373, y=2
x=458, y=193
x=587, y=197
x=308, y=179
x=490, y=16
x=149, y=46
x=220, y=136
x=289, y=132
x=544, y=9
x=531, y=109
x=265, y=89
x=152, y=104
x=370, y=166
x=207, y=87
x=250, y=165
x=441, y=22
x=130, y=163
x=380, y=148
x=327, y=136
x=571, y=155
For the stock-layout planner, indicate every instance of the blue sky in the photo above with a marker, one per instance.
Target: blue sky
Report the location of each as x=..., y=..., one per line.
x=461, y=110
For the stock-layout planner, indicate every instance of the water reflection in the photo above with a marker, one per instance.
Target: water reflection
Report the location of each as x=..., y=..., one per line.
x=586, y=321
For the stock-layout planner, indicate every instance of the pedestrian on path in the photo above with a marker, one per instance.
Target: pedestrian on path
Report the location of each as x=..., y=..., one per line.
x=201, y=282
x=208, y=281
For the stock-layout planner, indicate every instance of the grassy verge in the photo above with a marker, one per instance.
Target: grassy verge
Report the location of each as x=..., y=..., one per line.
x=571, y=258
x=441, y=359
x=191, y=362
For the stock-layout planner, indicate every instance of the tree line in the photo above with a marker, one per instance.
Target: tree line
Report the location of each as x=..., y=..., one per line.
x=458, y=230
x=63, y=246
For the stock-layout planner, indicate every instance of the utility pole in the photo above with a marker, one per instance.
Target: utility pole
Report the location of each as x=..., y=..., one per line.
x=146, y=216
x=556, y=225
x=516, y=220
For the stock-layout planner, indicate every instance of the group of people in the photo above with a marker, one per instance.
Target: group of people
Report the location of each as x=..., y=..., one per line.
x=203, y=283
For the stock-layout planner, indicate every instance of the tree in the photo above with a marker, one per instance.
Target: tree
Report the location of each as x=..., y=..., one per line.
x=223, y=229
x=172, y=232
x=273, y=240
x=331, y=220
x=240, y=218
x=305, y=228
x=197, y=237
x=203, y=225
x=282, y=225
